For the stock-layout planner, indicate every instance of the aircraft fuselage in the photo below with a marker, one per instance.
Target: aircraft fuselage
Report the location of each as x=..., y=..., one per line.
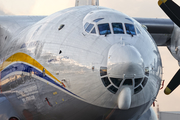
x=64, y=68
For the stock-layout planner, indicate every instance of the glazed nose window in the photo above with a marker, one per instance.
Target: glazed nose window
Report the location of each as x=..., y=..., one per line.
x=116, y=81
x=104, y=29
x=128, y=82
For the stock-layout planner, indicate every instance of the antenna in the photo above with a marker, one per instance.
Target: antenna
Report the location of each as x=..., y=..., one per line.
x=87, y=2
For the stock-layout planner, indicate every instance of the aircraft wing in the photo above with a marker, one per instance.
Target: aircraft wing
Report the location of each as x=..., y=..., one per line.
x=160, y=29
x=7, y=110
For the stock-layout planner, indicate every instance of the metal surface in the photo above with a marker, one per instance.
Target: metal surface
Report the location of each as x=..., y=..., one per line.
x=55, y=73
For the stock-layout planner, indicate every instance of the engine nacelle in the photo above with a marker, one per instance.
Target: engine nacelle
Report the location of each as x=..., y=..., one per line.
x=174, y=46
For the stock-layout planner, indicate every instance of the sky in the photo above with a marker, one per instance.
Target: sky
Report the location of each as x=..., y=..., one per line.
x=133, y=8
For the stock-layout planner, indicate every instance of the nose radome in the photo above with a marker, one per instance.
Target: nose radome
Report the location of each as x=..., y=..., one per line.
x=124, y=61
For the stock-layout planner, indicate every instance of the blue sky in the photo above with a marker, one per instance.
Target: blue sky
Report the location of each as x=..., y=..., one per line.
x=134, y=8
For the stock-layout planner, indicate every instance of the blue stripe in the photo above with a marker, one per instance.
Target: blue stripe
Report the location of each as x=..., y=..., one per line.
x=26, y=68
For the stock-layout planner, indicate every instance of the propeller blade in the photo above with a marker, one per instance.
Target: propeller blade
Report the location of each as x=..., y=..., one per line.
x=171, y=9
x=174, y=83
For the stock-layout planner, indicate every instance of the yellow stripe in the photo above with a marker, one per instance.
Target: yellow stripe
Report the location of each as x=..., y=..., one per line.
x=27, y=59
x=160, y=2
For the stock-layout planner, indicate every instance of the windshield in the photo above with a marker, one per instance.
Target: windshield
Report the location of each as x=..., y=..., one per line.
x=117, y=28
x=85, y=26
x=104, y=29
x=138, y=32
x=88, y=29
x=93, y=31
x=130, y=29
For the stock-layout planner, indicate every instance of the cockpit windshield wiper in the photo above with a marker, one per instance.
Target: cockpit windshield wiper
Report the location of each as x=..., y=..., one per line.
x=106, y=33
x=129, y=31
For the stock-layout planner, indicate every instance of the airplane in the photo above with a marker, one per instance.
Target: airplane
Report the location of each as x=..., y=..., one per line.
x=82, y=63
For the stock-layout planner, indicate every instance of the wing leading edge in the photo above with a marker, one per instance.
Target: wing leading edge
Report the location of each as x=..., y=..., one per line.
x=160, y=29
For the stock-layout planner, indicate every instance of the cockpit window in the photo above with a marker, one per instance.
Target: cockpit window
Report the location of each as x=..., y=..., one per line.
x=104, y=29
x=97, y=20
x=85, y=26
x=130, y=29
x=88, y=29
x=93, y=31
x=118, y=28
x=138, y=32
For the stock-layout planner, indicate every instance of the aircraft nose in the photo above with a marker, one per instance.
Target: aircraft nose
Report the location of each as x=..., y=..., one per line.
x=124, y=61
